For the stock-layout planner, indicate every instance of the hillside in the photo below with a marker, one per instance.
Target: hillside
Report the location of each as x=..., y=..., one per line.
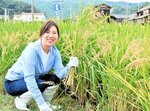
x=47, y=6
x=14, y=7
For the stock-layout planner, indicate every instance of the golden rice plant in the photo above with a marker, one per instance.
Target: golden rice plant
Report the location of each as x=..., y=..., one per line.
x=113, y=71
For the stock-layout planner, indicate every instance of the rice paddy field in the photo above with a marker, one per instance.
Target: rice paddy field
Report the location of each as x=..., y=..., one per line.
x=114, y=62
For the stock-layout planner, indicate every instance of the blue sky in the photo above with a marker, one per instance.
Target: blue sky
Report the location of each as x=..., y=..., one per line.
x=132, y=1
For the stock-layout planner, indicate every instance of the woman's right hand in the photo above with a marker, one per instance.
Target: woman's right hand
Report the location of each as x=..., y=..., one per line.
x=45, y=107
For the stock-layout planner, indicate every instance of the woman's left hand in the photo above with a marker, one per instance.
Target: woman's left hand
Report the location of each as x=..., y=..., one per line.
x=73, y=62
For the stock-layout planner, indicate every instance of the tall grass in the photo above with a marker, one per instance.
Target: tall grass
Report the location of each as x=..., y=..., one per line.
x=113, y=71
x=14, y=38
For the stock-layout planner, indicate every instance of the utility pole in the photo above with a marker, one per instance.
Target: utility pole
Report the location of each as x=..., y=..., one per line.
x=89, y=2
x=127, y=10
x=8, y=14
x=70, y=9
x=62, y=9
x=5, y=14
x=138, y=7
x=32, y=10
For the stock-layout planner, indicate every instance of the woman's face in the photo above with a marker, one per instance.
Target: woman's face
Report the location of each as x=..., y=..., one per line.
x=50, y=37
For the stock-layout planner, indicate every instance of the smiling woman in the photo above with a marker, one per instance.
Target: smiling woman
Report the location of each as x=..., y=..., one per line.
x=49, y=36
x=27, y=77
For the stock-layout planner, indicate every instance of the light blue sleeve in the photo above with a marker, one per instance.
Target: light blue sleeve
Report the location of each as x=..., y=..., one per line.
x=58, y=67
x=29, y=74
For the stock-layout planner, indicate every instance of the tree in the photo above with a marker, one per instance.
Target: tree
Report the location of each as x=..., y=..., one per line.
x=15, y=7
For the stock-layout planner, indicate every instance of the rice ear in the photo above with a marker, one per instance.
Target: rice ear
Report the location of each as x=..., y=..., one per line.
x=69, y=78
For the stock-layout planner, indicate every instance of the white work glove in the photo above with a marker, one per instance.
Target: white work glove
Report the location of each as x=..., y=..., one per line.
x=45, y=107
x=73, y=62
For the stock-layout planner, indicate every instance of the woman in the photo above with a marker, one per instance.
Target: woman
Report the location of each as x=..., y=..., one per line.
x=26, y=78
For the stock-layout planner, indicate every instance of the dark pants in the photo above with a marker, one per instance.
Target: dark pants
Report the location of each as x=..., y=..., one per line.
x=18, y=87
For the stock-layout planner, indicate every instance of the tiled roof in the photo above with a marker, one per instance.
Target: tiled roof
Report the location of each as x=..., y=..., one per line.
x=144, y=8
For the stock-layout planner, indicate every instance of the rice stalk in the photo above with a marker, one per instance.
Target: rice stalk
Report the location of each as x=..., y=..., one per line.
x=136, y=63
x=69, y=78
x=134, y=51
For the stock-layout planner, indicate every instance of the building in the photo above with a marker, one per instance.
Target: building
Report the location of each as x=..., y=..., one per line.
x=3, y=17
x=102, y=10
x=105, y=10
x=120, y=18
x=27, y=17
x=142, y=15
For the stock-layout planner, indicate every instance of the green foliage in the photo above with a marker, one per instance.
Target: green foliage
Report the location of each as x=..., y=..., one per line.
x=15, y=7
x=47, y=6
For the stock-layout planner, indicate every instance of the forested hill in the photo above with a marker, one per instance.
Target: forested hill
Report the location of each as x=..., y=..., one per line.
x=15, y=7
x=122, y=8
x=47, y=6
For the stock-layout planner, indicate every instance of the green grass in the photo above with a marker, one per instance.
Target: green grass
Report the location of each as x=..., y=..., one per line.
x=7, y=103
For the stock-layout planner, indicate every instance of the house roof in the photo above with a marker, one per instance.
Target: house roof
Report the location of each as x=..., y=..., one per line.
x=144, y=8
x=26, y=14
x=134, y=18
x=102, y=5
x=121, y=16
x=31, y=13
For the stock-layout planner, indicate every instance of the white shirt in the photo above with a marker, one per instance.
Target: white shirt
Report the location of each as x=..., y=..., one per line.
x=44, y=57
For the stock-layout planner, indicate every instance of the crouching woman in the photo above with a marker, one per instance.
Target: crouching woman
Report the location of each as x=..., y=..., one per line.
x=27, y=77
